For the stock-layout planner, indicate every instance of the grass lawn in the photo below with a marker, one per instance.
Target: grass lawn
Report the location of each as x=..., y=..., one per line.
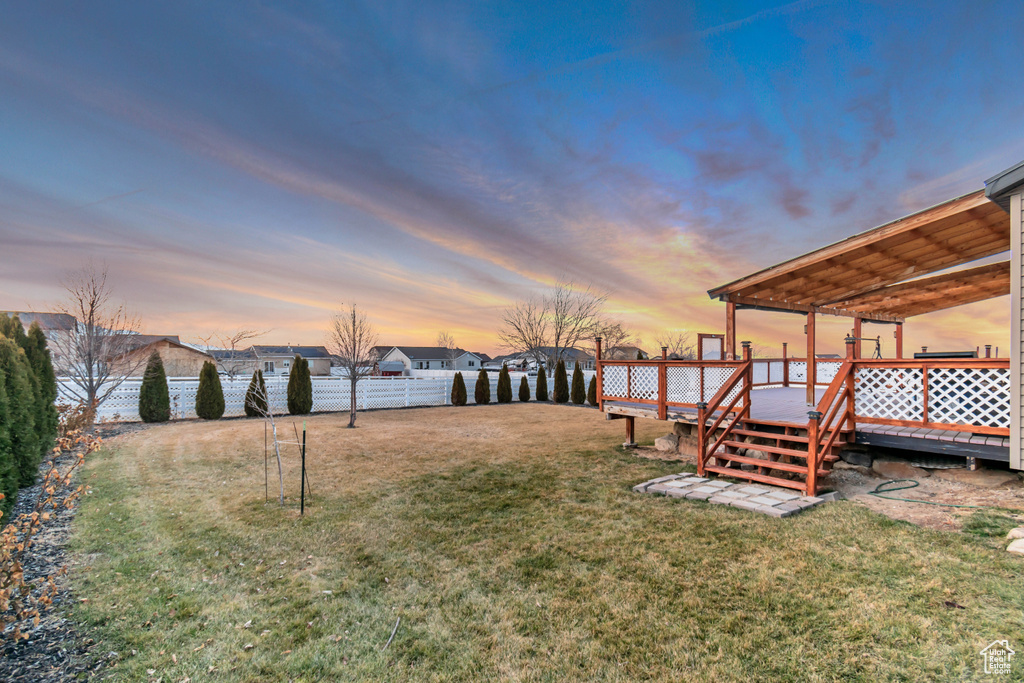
x=509, y=543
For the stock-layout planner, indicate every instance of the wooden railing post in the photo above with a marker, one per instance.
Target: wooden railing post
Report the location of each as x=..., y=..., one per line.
x=598, y=373
x=851, y=348
x=702, y=436
x=662, y=391
x=748, y=379
x=785, y=365
x=813, y=437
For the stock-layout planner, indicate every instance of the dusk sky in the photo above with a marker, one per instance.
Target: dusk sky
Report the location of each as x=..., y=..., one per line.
x=260, y=165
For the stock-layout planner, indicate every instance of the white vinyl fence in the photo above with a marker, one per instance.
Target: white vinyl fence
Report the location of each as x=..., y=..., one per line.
x=329, y=394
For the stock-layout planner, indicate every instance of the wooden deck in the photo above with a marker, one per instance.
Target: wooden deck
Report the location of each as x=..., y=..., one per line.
x=788, y=406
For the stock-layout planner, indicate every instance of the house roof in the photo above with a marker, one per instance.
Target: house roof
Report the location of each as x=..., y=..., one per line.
x=999, y=187
x=482, y=356
x=233, y=354
x=141, y=341
x=429, y=352
x=381, y=351
x=47, y=321
x=304, y=351
x=871, y=274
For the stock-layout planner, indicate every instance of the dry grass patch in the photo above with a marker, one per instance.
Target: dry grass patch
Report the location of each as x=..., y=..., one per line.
x=508, y=541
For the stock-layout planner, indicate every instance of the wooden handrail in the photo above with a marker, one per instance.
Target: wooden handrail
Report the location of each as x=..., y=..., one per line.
x=743, y=372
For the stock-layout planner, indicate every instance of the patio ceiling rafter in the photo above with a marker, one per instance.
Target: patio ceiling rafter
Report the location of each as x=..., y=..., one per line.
x=878, y=274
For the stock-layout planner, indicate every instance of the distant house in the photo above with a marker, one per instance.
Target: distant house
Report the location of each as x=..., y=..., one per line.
x=277, y=360
x=55, y=327
x=624, y=352
x=180, y=360
x=378, y=352
x=433, y=358
x=235, y=362
x=388, y=368
x=527, y=361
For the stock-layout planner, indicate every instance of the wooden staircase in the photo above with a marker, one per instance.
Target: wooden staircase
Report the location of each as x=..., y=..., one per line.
x=785, y=448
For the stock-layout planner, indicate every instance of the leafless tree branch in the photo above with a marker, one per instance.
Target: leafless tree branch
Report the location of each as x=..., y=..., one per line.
x=352, y=338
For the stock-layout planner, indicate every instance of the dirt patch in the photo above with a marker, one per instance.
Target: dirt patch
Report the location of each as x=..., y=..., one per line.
x=854, y=485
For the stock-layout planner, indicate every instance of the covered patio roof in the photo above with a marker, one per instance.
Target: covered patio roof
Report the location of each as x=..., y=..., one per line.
x=877, y=274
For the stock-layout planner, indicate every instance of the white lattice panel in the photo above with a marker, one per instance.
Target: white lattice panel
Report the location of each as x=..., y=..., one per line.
x=614, y=383
x=969, y=396
x=798, y=372
x=714, y=378
x=827, y=371
x=759, y=371
x=889, y=393
x=643, y=383
x=682, y=384
x=776, y=368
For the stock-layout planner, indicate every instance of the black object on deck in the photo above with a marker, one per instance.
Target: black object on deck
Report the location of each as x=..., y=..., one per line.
x=946, y=354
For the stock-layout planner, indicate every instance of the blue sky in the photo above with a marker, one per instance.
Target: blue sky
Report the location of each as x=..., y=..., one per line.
x=262, y=164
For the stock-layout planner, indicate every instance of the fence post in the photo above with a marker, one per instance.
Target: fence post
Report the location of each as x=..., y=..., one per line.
x=812, y=451
x=785, y=365
x=407, y=393
x=598, y=373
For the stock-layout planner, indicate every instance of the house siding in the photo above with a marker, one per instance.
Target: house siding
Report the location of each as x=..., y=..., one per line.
x=1016, y=331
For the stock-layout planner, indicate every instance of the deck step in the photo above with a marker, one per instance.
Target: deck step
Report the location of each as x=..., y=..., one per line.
x=768, y=464
x=770, y=435
x=754, y=476
x=779, y=450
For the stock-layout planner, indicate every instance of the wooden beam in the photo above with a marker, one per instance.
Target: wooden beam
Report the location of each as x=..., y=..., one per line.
x=899, y=340
x=812, y=365
x=785, y=306
x=730, y=330
x=857, y=332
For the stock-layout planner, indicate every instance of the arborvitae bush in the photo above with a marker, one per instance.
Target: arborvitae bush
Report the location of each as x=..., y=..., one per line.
x=22, y=404
x=579, y=391
x=592, y=391
x=561, y=383
x=300, y=387
x=459, y=395
x=482, y=392
x=8, y=473
x=504, y=386
x=639, y=354
x=542, y=384
x=256, y=396
x=210, y=395
x=154, y=398
x=42, y=364
x=524, y=390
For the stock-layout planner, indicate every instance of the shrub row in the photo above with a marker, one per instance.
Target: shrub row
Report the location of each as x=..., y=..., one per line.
x=28, y=416
x=579, y=393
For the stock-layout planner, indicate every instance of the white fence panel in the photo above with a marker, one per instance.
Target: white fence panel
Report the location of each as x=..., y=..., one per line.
x=330, y=394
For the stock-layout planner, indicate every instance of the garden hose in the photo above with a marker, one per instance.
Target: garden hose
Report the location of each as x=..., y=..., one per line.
x=885, y=487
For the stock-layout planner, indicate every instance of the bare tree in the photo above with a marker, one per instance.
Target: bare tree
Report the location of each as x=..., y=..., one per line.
x=234, y=361
x=446, y=341
x=575, y=314
x=616, y=337
x=352, y=339
x=96, y=352
x=567, y=317
x=263, y=405
x=679, y=344
x=525, y=328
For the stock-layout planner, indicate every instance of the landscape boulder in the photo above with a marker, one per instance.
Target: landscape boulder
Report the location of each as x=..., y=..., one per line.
x=1016, y=547
x=1016, y=533
x=668, y=443
x=856, y=456
x=898, y=469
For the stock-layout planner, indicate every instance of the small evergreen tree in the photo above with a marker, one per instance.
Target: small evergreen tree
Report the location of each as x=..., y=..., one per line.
x=524, y=390
x=542, y=384
x=42, y=364
x=579, y=391
x=154, y=398
x=504, y=386
x=561, y=383
x=22, y=403
x=459, y=395
x=482, y=392
x=639, y=354
x=592, y=391
x=210, y=395
x=256, y=396
x=300, y=387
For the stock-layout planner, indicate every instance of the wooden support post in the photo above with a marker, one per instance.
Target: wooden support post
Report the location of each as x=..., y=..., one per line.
x=662, y=391
x=858, y=350
x=785, y=364
x=701, y=436
x=664, y=353
x=598, y=374
x=899, y=341
x=813, y=437
x=630, y=432
x=730, y=331
x=812, y=363
x=988, y=350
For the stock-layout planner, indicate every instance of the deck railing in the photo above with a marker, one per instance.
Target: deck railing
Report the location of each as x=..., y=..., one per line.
x=782, y=372
x=665, y=383
x=963, y=395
